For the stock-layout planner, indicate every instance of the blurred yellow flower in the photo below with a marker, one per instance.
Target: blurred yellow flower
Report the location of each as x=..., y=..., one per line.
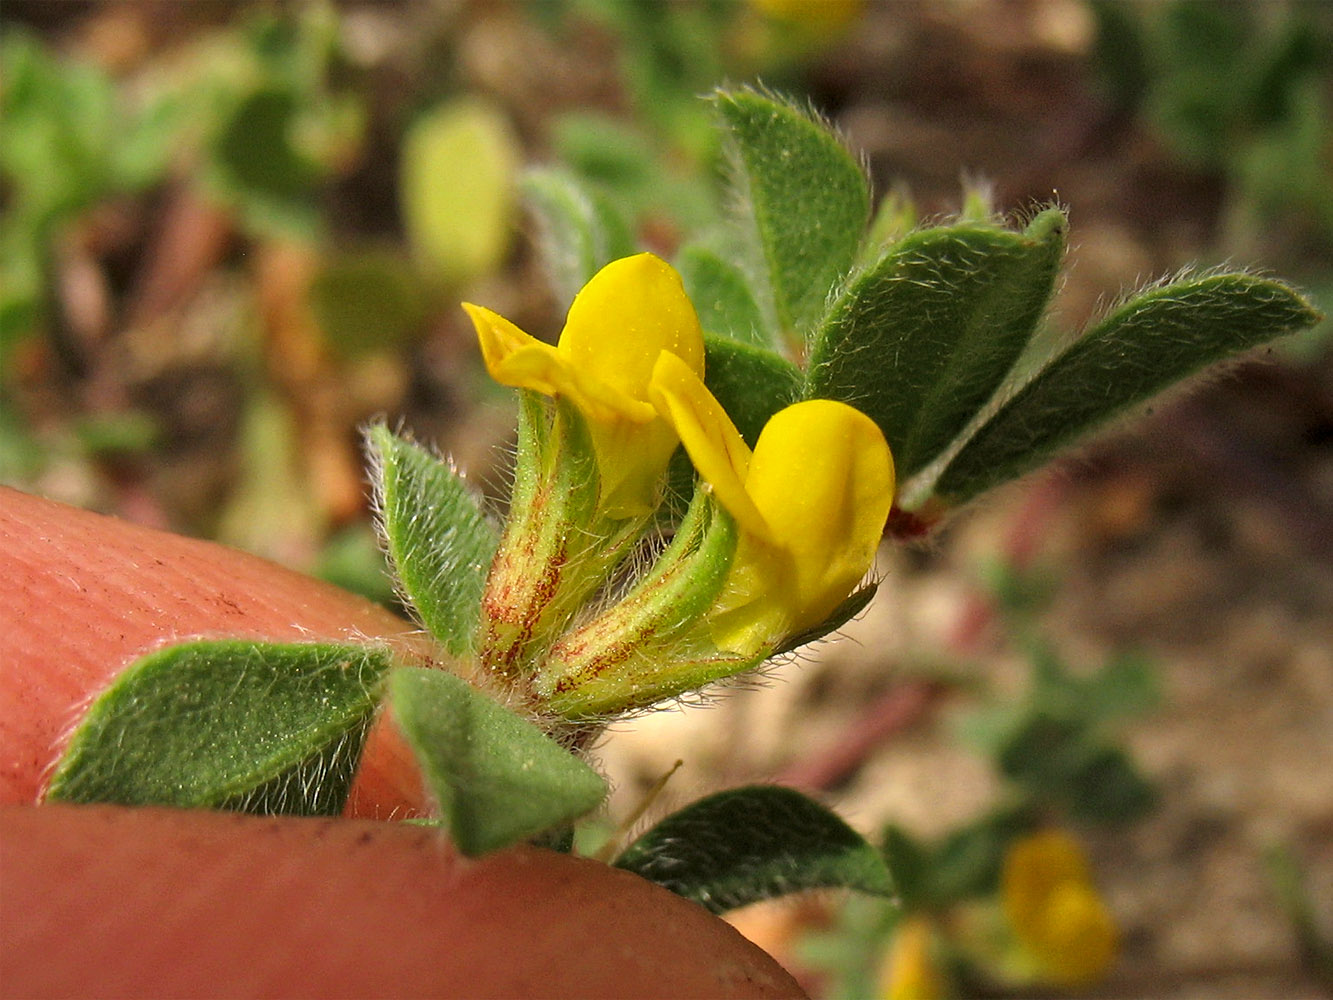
x=1056, y=914
x=911, y=971
x=815, y=16
x=631, y=311
x=810, y=503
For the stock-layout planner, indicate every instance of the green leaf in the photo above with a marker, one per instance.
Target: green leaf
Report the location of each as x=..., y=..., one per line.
x=911, y=863
x=721, y=295
x=803, y=198
x=920, y=340
x=458, y=189
x=233, y=724
x=1059, y=760
x=1107, y=787
x=968, y=862
x=580, y=230
x=755, y=843
x=496, y=777
x=261, y=168
x=1151, y=342
x=751, y=383
x=438, y=539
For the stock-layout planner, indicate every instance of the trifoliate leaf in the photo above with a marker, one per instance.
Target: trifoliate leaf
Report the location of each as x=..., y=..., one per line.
x=920, y=340
x=1147, y=345
x=496, y=777
x=755, y=843
x=236, y=724
x=802, y=197
x=438, y=539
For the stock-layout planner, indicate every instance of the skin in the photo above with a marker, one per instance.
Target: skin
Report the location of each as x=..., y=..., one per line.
x=101, y=900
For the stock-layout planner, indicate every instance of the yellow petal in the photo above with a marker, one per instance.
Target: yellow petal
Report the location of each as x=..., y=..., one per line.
x=822, y=479
x=631, y=458
x=912, y=971
x=625, y=316
x=1055, y=910
x=513, y=357
x=516, y=359
x=719, y=453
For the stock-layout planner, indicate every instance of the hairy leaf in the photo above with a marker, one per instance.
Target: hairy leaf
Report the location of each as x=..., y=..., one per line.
x=920, y=340
x=755, y=843
x=1147, y=345
x=255, y=726
x=722, y=296
x=751, y=383
x=801, y=195
x=580, y=230
x=437, y=537
x=496, y=777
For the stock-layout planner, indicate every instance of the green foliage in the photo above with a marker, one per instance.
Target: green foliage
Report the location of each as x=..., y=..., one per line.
x=964, y=864
x=669, y=53
x=235, y=724
x=721, y=295
x=70, y=141
x=802, y=197
x=254, y=153
x=1054, y=745
x=275, y=125
x=1241, y=90
x=579, y=228
x=459, y=190
x=751, y=383
x=496, y=778
x=437, y=538
x=741, y=846
x=1142, y=348
x=946, y=312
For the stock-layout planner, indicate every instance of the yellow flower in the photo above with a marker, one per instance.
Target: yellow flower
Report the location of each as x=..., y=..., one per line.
x=1055, y=911
x=631, y=311
x=810, y=503
x=911, y=971
x=816, y=16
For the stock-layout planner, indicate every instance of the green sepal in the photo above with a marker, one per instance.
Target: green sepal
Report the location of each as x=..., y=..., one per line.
x=749, y=844
x=752, y=383
x=233, y=724
x=439, y=541
x=722, y=296
x=1147, y=345
x=851, y=606
x=496, y=778
x=580, y=231
x=920, y=340
x=802, y=198
x=637, y=651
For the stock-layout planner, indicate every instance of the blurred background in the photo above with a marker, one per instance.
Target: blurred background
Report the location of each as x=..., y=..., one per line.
x=235, y=232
